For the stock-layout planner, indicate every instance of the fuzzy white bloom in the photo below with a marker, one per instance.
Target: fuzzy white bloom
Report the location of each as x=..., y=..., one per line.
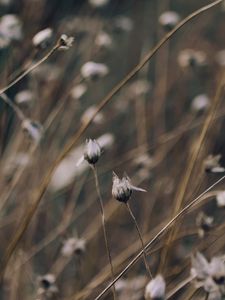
x=123, y=188
x=123, y=23
x=33, y=129
x=200, y=103
x=220, y=57
x=24, y=97
x=190, y=57
x=169, y=19
x=103, y=40
x=98, y=3
x=89, y=113
x=220, y=199
x=204, y=223
x=65, y=42
x=42, y=37
x=78, y=91
x=91, y=70
x=11, y=27
x=200, y=266
x=156, y=289
x=217, y=270
x=73, y=246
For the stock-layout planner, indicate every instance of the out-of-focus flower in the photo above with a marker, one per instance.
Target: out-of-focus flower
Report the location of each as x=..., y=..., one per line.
x=200, y=103
x=73, y=246
x=103, y=40
x=92, y=151
x=131, y=289
x=123, y=23
x=42, y=38
x=209, y=275
x=78, y=91
x=92, y=70
x=10, y=27
x=98, y=3
x=15, y=162
x=123, y=188
x=192, y=58
x=220, y=57
x=65, y=42
x=139, y=88
x=24, y=97
x=89, y=113
x=156, y=289
x=5, y=2
x=33, y=129
x=47, y=285
x=169, y=19
x=204, y=223
x=220, y=199
x=212, y=164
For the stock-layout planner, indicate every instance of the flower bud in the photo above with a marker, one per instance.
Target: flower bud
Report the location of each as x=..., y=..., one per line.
x=92, y=151
x=122, y=188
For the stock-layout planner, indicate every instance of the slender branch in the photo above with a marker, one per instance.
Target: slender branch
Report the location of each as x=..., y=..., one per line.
x=104, y=226
x=163, y=230
x=17, y=110
x=30, y=69
x=44, y=184
x=141, y=239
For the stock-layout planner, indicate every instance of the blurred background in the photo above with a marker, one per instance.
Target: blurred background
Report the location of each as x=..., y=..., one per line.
x=150, y=130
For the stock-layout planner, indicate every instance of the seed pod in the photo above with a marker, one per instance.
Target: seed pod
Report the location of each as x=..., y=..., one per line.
x=92, y=151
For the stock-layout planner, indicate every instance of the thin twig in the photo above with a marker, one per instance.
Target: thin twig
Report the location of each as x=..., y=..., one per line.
x=141, y=239
x=104, y=226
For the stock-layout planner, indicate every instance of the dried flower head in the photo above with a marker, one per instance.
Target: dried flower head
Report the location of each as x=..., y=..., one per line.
x=212, y=164
x=169, y=19
x=65, y=42
x=103, y=40
x=47, y=285
x=73, y=246
x=210, y=276
x=155, y=289
x=10, y=27
x=33, y=129
x=200, y=103
x=78, y=91
x=122, y=188
x=192, y=58
x=220, y=199
x=24, y=97
x=42, y=38
x=132, y=288
x=92, y=70
x=204, y=223
x=92, y=151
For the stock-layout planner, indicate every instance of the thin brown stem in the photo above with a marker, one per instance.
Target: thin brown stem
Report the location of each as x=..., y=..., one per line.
x=30, y=69
x=141, y=239
x=104, y=226
x=16, y=109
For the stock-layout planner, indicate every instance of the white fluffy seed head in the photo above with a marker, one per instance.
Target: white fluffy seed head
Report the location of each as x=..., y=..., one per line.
x=93, y=70
x=42, y=37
